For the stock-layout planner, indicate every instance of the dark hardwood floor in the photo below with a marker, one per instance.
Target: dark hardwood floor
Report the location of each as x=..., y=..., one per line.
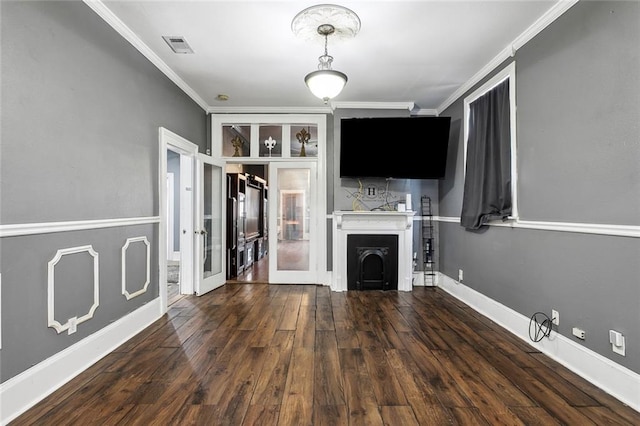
x=258, y=272
x=258, y=354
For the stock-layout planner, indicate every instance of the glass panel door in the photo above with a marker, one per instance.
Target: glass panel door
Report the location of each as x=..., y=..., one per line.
x=293, y=214
x=210, y=225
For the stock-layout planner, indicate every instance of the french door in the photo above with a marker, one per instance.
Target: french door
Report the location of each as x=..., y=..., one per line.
x=209, y=226
x=295, y=217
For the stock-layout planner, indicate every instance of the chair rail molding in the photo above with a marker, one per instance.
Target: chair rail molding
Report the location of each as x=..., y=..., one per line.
x=632, y=231
x=21, y=229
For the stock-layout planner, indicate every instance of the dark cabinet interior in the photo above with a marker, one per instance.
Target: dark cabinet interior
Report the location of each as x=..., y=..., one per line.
x=247, y=236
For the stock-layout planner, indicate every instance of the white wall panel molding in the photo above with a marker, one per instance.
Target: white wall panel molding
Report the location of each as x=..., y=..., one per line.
x=143, y=289
x=609, y=376
x=632, y=231
x=21, y=392
x=20, y=229
x=72, y=323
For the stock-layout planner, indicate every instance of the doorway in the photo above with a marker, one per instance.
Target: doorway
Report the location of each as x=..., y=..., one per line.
x=248, y=256
x=173, y=226
x=179, y=214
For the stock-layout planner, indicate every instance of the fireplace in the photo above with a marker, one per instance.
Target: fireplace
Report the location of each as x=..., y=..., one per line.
x=382, y=251
x=372, y=262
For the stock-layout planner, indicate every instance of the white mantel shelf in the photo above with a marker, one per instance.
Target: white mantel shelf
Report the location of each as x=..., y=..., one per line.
x=346, y=222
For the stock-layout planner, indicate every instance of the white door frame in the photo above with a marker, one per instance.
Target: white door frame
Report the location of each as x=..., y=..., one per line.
x=188, y=152
x=315, y=229
x=286, y=121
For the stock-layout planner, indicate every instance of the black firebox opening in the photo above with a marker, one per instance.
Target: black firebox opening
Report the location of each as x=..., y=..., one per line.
x=372, y=262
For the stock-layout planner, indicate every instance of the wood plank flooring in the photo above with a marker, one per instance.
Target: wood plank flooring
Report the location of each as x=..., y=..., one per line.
x=256, y=354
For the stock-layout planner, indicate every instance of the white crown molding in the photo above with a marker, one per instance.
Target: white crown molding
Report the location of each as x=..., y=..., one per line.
x=534, y=29
x=543, y=22
x=373, y=105
x=270, y=110
x=22, y=229
x=611, y=377
x=23, y=391
x=71, y=323
x=632, y=231
x=426, y=112
x=110, y=18
x=144, y=287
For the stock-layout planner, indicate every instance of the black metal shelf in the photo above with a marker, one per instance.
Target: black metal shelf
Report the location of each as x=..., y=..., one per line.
x=428, y=240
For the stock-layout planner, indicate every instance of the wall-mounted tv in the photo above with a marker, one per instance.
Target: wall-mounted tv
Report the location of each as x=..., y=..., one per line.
x=394, y=147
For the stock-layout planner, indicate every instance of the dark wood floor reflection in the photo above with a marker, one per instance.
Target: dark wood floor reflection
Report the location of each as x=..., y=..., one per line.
x=255, y=354
x=258, y=272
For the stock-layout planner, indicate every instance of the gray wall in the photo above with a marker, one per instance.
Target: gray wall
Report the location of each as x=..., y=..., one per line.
x=81, y=110
x=387, y=192
x=578, y=160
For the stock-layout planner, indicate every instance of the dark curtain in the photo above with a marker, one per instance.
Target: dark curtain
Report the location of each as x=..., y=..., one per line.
x=487, y=184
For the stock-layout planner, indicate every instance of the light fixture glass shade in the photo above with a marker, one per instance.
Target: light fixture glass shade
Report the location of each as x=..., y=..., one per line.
x=326, y=84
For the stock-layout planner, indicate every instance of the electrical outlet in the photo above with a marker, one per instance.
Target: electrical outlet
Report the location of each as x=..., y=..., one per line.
x=580, y=334
x=617, y=341
x=555, y=317
x=73, y=325
x=460, y=275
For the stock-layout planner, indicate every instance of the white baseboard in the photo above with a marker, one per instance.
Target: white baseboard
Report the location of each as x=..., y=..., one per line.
x=618, y=381
x=175, y=256
x=23, y=391
x=421, y=280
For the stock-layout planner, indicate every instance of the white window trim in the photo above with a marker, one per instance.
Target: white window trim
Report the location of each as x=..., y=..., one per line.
x=508, y=72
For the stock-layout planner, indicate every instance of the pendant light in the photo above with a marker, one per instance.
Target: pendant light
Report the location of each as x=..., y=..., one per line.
x=325, y=83
x=326, y=20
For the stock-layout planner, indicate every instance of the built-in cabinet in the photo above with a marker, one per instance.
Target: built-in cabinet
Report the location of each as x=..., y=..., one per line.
x=247, y=234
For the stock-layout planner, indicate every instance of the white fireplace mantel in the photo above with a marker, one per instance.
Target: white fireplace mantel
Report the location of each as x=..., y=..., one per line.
x=373, y=222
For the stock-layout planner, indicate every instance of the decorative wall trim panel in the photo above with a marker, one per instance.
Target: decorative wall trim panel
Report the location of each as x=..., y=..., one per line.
x=124, y=267
x=76, y=225
x=21, y=392
x=71, y=323
x=611, y=377
x=632, y=231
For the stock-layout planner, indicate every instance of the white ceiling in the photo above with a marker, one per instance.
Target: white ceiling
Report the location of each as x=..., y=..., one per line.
x=418, y=52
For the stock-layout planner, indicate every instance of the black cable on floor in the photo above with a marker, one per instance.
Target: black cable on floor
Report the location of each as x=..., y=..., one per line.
x=539, y=326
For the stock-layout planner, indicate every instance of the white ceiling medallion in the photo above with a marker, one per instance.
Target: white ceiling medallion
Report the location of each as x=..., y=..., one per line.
x=345, y=21
x=325, y=20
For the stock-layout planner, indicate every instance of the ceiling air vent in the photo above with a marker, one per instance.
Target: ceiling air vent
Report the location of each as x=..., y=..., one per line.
x=178, y=44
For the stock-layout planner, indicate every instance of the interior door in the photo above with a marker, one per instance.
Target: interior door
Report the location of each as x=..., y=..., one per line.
x=210, y=225
x=294, y=215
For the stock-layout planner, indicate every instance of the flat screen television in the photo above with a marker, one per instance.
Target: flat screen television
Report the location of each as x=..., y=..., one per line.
x=394, y=147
